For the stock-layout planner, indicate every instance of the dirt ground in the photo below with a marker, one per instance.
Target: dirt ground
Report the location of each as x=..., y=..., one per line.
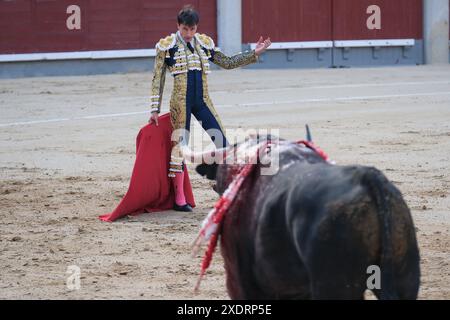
x=67, y=150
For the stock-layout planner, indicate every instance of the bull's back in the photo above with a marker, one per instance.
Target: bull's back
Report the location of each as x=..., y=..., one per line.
x=346, y=219
x=314, y=229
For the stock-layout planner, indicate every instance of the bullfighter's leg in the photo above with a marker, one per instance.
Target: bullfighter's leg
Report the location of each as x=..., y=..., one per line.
x=180, y=118
x=176, y=167
x=211, y=125
x=205, y=113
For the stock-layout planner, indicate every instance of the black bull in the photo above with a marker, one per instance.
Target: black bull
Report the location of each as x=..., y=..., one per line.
x=312, y=230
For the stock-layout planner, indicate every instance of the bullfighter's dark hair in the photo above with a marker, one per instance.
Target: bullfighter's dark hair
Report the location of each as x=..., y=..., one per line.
x=188, y=16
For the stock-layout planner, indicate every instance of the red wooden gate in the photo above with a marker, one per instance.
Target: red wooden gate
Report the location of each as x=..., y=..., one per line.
x=314, y=20
x=287, y=20
x=40, y=25
x=400, y=19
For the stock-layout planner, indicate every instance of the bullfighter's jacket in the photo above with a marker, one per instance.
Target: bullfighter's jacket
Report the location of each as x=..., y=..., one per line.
x=173, y=55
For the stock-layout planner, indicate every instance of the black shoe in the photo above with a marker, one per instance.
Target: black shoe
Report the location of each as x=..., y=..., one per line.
x=184, y=208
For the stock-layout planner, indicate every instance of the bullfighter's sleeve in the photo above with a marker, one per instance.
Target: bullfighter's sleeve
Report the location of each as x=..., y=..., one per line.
x=217, y=57
x=235, y=61
x=159, y=77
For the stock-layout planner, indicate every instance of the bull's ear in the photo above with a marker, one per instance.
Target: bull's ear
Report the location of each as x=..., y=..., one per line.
x=208, y=170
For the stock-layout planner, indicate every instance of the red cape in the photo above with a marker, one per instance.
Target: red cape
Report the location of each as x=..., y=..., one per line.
x=150, y=188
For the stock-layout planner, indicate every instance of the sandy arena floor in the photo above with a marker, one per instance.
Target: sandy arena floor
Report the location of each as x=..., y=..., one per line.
x=67, y=149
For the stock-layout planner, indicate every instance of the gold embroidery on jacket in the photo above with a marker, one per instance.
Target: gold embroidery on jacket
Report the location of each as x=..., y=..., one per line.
x=166, y=43
x=236, y=61
x=178, y=117
x=159, y=77
x=205, y=41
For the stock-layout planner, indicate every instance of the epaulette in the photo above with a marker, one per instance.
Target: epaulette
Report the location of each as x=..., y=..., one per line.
x=167, y=42
x=205, y=41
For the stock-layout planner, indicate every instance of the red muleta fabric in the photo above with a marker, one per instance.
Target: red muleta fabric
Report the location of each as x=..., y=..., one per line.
x=150, y=188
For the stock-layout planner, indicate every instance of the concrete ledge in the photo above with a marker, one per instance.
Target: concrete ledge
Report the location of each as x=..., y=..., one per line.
x=41, y=68
x=347, y=56
x=374, y=43
x=295, y=58
x=314, y=54
x=76, y=55
x=297, y=45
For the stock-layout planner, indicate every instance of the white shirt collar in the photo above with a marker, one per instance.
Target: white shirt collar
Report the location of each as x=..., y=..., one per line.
x=184, y=42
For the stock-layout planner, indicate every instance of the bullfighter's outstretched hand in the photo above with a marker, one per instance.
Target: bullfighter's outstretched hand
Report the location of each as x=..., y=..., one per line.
x=262, y=45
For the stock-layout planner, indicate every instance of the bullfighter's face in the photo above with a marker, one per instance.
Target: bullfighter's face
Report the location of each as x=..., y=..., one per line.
x=187, y=32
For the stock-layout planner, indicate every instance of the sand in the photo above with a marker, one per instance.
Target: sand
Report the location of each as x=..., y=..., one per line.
x=67, y=150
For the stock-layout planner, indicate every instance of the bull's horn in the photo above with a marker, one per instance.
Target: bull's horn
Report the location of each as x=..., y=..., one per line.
x=198, y=157
x=308, y=134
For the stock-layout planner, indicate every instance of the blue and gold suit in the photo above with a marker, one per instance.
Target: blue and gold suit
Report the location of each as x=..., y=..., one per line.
x=189, y=66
